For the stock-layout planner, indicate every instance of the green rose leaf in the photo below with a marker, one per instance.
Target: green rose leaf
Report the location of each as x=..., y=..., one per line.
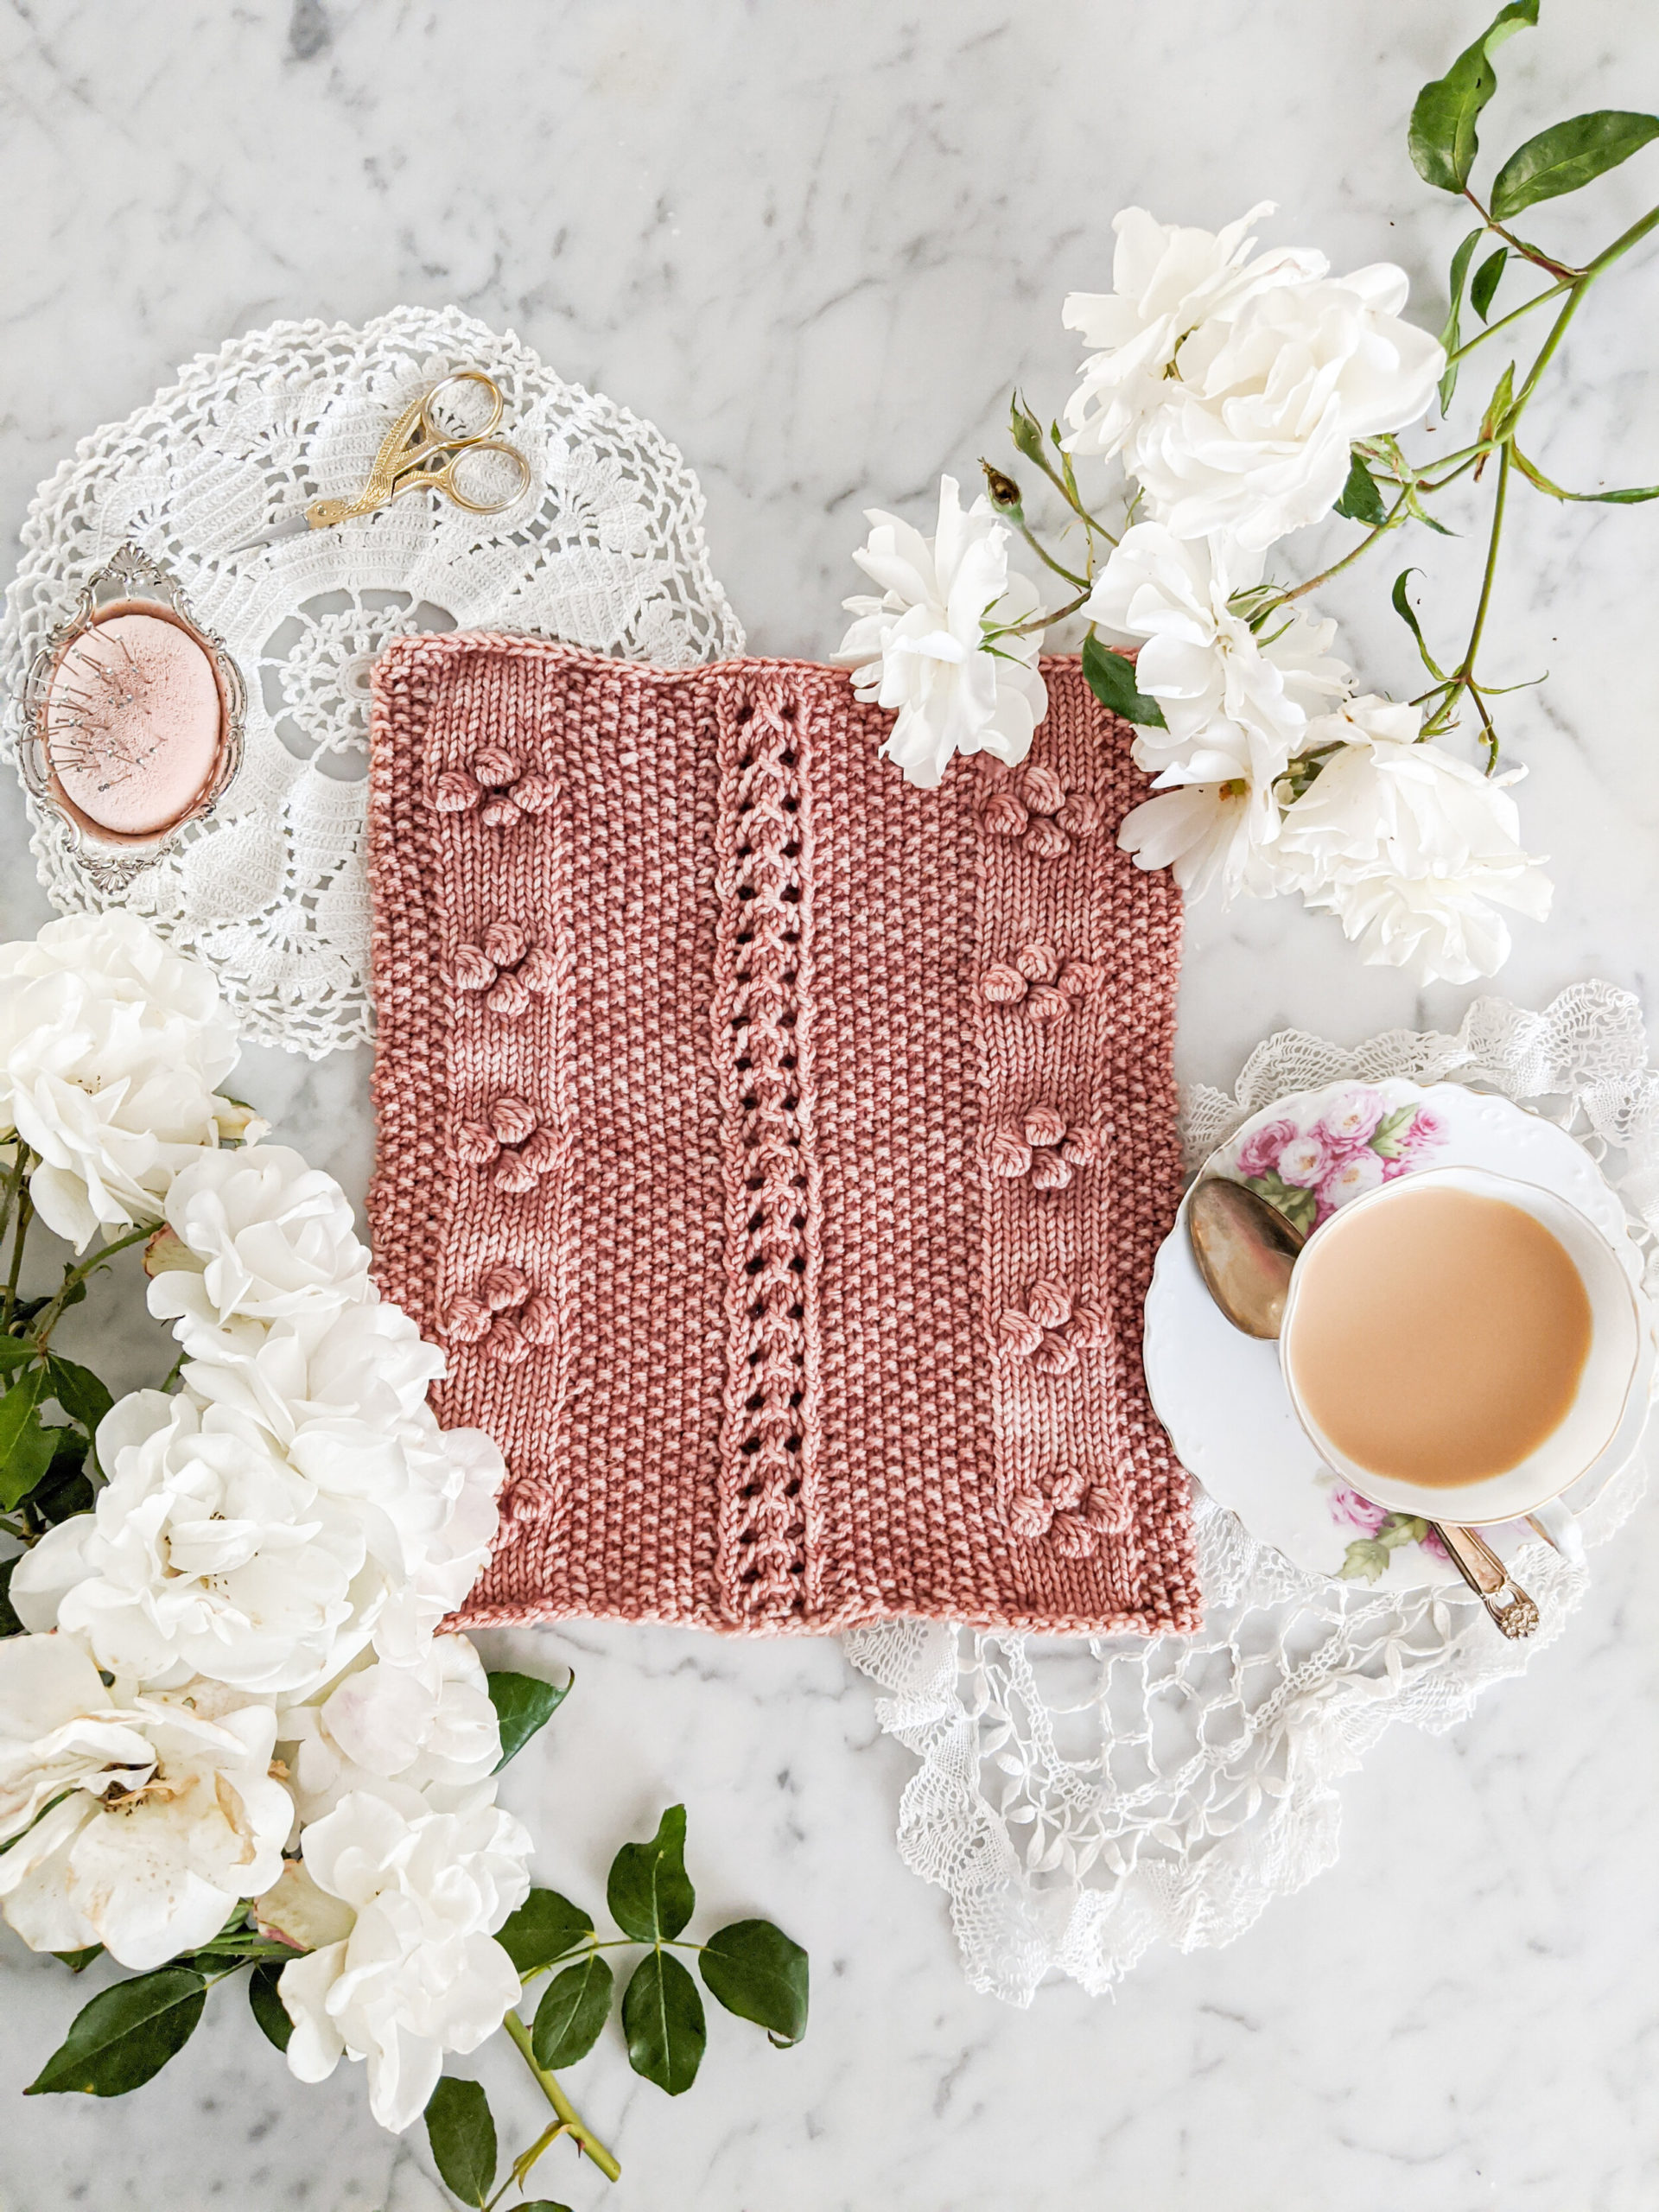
x=125, y=2035
x=663, y=2017
x=79, y=1391
x=1569, y=154
x=13, y=1352
x=462, y=2132
x=545, y=1927
x=755, y=1971
x=540, y=2204
x=649, y=1893
x=65, y=1489
x=575, y=2006
x=266, y=2003
x=1441, y=137
x=1407, y=614
x=1486, y=280
x=26, y=1444
x=1361, y=501
x=1111, y=678
x=77, y=1962
x=1451, y=330
x=522, y=1703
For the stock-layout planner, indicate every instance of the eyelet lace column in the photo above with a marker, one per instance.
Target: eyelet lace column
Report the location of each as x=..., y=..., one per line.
x=762, y=1015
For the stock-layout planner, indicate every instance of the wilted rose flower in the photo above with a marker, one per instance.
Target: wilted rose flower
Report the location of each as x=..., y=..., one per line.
x=133, y=1822
x=110, y=1050
x=430, y=1725
x=254, y=1235
x=420, y=1972
x=920, y=648
x=1234, y=390
x=1411, y=850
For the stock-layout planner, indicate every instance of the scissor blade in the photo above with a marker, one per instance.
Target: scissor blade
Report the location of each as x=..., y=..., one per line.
x=295, y=526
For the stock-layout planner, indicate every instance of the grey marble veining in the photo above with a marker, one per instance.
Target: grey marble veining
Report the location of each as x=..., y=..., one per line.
x=817, y=243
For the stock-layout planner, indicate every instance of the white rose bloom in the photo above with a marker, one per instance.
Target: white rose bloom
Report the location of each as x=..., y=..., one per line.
x=1236, y=705
x=1234, y=390
x=346, y=1405
x=920, y=647
x=1411, y=850
x=430, y=1725
x=420, y=1972
x=255, y=1236
x=165, y=1814
x=110, y=1048
x=1208, y=834
x=207, y=1552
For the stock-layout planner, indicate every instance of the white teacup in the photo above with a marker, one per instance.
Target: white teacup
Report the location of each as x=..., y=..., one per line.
x=1606, y=1408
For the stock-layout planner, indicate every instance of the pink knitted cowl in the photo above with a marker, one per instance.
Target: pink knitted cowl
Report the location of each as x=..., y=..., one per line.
x=778, y=1152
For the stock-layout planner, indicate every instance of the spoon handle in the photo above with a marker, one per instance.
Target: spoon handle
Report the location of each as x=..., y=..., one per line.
x=1480, y=1566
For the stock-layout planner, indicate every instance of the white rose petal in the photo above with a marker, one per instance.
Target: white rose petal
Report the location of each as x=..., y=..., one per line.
x=110, y=1048
x=421, y=1972
x=206, y=1553
x=1233, y=389
x=257, y=1235
x=920, y=647
x=166, y=1810
x=1207, y=834
x=1412, y=850
x=430, y=1725
x=1236, y=705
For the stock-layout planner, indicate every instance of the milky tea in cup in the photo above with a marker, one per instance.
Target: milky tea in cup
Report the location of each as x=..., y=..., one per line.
x=1460, y=1344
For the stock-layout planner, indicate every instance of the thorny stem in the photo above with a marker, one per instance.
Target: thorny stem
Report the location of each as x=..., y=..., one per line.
x=1068, y=493
x=20, y=1231
x=571, y=2120
x=1558, y=269
x=1025, y=529
x=14, y=1182
x=50, y=1316
x=1348, y=559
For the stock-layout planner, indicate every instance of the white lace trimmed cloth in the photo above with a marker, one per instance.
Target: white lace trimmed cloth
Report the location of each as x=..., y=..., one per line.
x=1082, y=1799
x=604, y=550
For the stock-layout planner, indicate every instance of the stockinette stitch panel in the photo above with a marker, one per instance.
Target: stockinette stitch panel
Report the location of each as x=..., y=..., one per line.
x=778, y=1151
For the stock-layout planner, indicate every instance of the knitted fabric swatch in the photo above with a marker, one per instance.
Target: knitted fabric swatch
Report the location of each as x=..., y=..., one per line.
x=779, y=1151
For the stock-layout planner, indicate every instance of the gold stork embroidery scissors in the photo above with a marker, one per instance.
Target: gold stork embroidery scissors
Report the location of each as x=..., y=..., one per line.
x=422, y=452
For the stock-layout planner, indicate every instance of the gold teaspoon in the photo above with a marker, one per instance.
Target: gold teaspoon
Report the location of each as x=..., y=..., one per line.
x=1246, y=1249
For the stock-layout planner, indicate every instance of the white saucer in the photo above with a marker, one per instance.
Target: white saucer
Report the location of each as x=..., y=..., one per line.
x=1221, y=1394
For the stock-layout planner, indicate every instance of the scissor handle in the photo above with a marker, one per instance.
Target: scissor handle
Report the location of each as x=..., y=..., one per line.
x=435, y=430
x=443, y=480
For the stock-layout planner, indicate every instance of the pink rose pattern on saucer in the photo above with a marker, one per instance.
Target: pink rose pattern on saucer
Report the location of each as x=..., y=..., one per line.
x=1356, y=1142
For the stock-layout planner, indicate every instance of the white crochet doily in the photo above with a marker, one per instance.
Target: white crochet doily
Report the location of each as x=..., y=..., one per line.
x=604, y=550
x=1081, y=1799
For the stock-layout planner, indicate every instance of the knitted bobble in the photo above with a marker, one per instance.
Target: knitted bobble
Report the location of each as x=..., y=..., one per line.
x=1043, y=1125
x=466, y=1320
x=1018, y=1332
x=1044, y=1003
x=537, y=970
x=534, y=794
x=1046, y=840
x=539, y=1322
x=1003, y=815
x=1071, y=1535
x=1037, y=963
x=475, y=1144
x=1030, y=1513
x=452, y=792
x=473, y=969
x=1049, y=1172
x=1041, y=789
x=513, y=1174
x=1003, y=985
x=1007, y=1154
x=507, y=996
x=1048, y=1304
x=511, y=1119
x=493, y=766
x=1056, y=1354
x=526, y=1504
x=1080, y=815
x=504, y=1343
x=503, y=1288
x=1090, y=1323
x=541, y=1151
x=1068, y=1511
x=505, y=943
x=500, y=812
x=1080, y=1147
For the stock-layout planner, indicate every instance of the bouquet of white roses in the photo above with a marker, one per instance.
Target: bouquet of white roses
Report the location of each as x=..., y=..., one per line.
x=234, y=1734
x=1242, y=395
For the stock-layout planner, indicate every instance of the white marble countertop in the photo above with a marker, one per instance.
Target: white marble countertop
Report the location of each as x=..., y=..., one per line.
x=816, y=243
